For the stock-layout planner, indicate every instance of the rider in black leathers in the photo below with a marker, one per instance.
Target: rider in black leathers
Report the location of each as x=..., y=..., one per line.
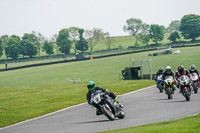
x=92, y=88
x=168, y=72
x=193, y=69
x=182, y=71
x=160, y=72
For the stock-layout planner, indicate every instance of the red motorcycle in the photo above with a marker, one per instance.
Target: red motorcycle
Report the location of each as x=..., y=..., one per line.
x=195, y=81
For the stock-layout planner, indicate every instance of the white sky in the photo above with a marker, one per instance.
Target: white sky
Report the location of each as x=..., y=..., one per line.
x=50, y=16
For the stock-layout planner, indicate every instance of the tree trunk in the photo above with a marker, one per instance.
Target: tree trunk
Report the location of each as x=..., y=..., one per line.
x=91, y=49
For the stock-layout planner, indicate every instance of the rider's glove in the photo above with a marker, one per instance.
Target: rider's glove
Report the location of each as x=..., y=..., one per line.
x=106, y=91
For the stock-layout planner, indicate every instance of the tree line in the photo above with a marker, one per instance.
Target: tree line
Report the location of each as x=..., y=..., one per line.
x=188, y=27
x=79, y=39
x=32, y=44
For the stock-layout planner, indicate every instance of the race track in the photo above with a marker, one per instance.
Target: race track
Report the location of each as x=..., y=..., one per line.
x=141, y=107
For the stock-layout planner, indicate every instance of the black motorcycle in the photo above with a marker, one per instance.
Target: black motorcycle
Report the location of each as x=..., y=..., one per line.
x=107, y=105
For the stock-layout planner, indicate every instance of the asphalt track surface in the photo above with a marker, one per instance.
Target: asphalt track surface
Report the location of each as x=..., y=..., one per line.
x=141, y=107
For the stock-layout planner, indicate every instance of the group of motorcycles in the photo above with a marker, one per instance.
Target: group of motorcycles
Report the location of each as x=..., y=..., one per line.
x=112, y=110
x=186, y=84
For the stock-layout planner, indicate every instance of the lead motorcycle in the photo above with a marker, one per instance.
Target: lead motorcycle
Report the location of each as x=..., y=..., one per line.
x=107, y=105
x=185, y=87
x=195, y=81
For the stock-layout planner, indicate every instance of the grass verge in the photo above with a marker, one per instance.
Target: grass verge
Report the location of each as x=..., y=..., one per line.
x=19, y=104
x=184, y=125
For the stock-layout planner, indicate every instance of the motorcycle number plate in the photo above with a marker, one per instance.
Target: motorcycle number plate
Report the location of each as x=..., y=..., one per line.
x=97, y=99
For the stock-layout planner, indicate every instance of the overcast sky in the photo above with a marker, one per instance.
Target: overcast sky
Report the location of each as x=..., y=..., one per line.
x=50, y=16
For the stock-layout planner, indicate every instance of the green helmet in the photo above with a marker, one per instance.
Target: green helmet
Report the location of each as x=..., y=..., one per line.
x=91, y=85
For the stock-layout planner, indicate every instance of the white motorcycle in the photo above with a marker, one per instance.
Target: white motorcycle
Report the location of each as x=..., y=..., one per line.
x=185, y=85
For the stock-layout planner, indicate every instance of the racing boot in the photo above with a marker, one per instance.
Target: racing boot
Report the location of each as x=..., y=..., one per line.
x=190, y=87
x=180, y=90
x=117, y=101
x=165, y=90
x=98, y=112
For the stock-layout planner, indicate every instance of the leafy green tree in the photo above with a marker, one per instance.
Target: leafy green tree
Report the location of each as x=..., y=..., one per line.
x=133, y=25
x=173, y=36
x=156, y=33
x=12, y=48
x=63, y=41
x=174, y=25
x=109, y=40
x=144, y=35
x=48, y=47
x=82, y=44
x=38, y=40
x=190, y=26
x=53, y=41
x=74, y=36
x=144, y=38
x=93, y=37
x=27, y=45
x=4, y=40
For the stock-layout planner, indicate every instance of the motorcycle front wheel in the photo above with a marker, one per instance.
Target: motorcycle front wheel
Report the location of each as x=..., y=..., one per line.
x=108, y=112
x=169, y=93
x=187, y=95
x=195, y=87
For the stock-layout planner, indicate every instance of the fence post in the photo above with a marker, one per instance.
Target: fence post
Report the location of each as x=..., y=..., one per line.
x=133, y=62
x=141, y=71
x=150, y=69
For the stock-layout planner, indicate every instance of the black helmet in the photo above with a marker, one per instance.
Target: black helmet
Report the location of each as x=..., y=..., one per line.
x=168, y=69
x=192, y=67
x=180, y=69
x=161, y=70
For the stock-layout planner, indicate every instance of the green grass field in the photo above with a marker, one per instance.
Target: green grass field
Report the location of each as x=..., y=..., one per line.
x=184, y=125
x=31, y=92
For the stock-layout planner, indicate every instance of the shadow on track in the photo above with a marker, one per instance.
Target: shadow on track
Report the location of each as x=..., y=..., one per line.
x=93, y=121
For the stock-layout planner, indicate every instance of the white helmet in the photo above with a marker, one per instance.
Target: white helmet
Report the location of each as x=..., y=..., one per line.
x=192, y=67
x=168, y=69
